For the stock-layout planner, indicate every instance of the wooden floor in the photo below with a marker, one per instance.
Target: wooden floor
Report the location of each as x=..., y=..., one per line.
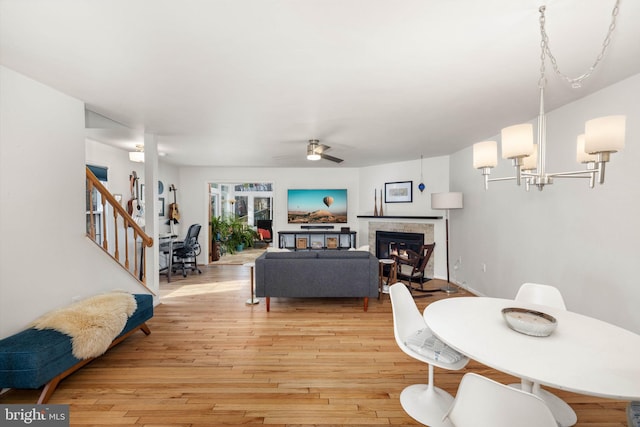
x=213, y=360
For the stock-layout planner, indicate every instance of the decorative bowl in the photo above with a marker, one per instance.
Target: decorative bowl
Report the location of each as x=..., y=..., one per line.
x=529, y=322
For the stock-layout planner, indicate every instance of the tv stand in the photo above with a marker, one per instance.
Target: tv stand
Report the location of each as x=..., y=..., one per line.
x=305, y=240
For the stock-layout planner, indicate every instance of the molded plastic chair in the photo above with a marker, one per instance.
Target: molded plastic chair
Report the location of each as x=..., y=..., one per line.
x=550, y=296
x=423, y=402
x=541, y=294
x=481, y=401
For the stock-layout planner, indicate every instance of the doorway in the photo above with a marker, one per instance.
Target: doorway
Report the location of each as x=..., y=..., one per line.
x=248, y=202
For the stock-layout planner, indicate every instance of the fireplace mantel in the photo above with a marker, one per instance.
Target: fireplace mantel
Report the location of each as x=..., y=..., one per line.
x=399, y=217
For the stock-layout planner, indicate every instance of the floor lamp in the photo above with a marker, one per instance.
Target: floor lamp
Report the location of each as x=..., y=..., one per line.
x=447, y=201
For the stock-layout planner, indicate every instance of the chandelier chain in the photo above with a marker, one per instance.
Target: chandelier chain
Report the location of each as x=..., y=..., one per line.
x=575, y=82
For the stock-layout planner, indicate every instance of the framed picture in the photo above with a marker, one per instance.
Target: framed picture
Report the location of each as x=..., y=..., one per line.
x=301, y=243
x=398, y=192
x=160, y=206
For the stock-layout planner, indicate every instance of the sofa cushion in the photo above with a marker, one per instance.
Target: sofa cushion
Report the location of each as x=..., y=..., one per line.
x=343, y=254
x=291, y=255
x=633, y=414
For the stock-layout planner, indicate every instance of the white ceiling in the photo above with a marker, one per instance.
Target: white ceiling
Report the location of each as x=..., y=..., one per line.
x=248, y=82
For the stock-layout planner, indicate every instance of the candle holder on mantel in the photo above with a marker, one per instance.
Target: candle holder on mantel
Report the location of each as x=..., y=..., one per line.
x=381, y=211
x=375, y=202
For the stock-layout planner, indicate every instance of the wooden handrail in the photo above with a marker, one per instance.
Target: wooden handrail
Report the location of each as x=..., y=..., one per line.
x=128, y=222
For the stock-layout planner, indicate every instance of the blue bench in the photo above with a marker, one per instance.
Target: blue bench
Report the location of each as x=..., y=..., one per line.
x=34, y=358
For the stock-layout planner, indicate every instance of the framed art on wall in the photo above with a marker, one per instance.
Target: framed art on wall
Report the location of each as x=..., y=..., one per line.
x=398, y=192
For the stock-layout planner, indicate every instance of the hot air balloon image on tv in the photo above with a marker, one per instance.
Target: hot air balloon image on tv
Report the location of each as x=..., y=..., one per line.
x=311, y=206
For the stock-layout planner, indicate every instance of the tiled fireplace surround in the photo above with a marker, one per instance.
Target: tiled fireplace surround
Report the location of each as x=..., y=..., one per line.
x=404, y=227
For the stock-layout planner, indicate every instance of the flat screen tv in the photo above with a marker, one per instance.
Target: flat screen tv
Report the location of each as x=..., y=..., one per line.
x=311, y=206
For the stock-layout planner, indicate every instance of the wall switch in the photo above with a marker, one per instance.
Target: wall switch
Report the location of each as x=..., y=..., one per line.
x=484, y=267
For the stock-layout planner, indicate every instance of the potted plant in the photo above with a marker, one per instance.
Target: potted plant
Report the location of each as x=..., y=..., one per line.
x=240, y=235
x=235, y=241
x=219, y=235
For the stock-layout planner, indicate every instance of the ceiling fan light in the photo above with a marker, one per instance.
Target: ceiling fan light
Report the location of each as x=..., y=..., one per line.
x=312, y=154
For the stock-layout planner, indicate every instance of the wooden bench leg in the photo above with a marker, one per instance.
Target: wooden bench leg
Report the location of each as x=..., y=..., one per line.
x=268, y=300
x=50, y=387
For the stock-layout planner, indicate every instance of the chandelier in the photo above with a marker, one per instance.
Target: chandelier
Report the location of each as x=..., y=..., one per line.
x=602, y=136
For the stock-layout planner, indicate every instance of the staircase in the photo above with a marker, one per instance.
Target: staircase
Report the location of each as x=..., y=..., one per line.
x=119, y=236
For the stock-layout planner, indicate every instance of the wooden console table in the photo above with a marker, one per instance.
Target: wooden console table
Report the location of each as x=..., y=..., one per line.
x=303, y=240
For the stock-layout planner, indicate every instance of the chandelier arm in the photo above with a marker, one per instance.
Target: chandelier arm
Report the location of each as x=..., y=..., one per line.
x=506, y=178
x=574, y=174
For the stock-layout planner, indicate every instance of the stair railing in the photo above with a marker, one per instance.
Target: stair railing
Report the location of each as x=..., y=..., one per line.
x=124, y=234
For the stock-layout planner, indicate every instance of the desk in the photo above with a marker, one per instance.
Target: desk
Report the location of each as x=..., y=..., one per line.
x=583, y=355
x=166, y=246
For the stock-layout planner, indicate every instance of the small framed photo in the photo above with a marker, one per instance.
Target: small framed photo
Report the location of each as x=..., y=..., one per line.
x=160, y=206
x=398, y=192
x=301, y=243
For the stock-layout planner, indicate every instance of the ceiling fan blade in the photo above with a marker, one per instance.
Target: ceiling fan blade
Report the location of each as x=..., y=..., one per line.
x=331, y=158
x=321, y=148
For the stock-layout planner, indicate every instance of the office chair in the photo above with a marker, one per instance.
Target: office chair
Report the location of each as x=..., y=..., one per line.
x=185, y=253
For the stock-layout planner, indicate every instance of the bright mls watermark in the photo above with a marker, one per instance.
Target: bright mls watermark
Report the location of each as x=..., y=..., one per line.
x=34, y=415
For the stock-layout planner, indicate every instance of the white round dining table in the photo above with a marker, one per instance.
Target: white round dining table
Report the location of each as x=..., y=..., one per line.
x=583, y=355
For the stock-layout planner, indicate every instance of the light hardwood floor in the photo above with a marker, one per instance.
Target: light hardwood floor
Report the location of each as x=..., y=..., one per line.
x=213, y=360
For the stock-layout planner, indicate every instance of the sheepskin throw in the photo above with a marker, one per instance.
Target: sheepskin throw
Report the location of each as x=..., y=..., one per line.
x=92, y=323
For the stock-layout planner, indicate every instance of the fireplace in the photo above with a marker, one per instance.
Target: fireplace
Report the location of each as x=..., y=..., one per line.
x=386, y=240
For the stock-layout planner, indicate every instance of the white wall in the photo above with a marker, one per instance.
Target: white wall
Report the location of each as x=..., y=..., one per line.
x=584, y=241
x=434, y=173
x=45, y=256
x=360, y=184
x=195, y=180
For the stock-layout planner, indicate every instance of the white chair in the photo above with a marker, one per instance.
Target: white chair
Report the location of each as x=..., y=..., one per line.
x=550, y=296
x=481, y=401
x=541, y=294
x=423, y=402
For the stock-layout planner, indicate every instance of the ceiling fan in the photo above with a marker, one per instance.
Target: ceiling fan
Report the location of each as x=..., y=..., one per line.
x=316, y=151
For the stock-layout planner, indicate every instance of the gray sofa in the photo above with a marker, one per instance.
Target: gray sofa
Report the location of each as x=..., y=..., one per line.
x=317, y=274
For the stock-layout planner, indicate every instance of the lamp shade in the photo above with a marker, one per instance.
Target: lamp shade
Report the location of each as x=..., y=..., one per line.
x=581, y=155
x=604, y=134
x=517, y=141
x=485, y=154
x=446, y=200
x=530, y=163
x=136, y=156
